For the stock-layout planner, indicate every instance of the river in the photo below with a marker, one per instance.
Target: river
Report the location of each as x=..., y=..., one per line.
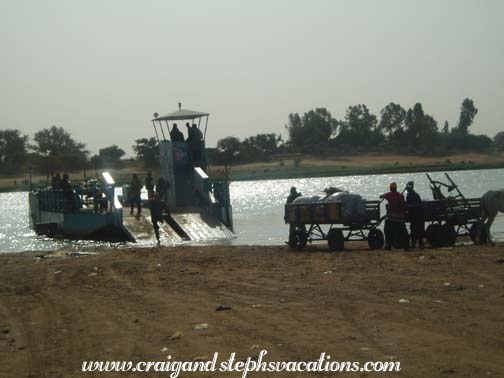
x=257, y=206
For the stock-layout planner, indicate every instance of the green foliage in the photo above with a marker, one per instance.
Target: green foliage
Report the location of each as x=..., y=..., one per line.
x=231, y=150
x=392, y=119
x=147, y=150
x=359, y=128
x=421, y=128
x=12, y=150
x=499, y=141
x=110, y=156
x=261, y=146
x=467, y=114
x=446, y=127
x=55, y=150
x=400, y=131
x=311, y=131
x=56, y=141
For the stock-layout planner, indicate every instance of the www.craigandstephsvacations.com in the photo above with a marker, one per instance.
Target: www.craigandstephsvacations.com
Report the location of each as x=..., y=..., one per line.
x=244, y=366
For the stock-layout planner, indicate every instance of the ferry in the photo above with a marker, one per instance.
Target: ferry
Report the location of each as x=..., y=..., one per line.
x=200, y=207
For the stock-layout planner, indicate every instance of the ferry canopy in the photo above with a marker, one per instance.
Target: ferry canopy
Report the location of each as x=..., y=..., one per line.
x=181, y=115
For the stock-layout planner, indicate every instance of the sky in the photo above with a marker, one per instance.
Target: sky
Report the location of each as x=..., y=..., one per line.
x=100, y=69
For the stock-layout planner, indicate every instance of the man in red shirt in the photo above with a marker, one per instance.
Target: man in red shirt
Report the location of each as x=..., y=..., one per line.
x=396, y=234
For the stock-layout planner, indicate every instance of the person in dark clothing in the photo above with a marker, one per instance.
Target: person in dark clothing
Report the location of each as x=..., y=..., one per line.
x=56, y=181
x=190, y=133
x=162, y=188
x=192, y=142
x=396, y=234
x=197, y=132
x=416, y=215
x=149, y=184
x=292, y=227
x=175, y=134
x=293, y=195
x=99, y=199
x=157, y=207
x=196, y=142
x=68, y=194
x=134, y=194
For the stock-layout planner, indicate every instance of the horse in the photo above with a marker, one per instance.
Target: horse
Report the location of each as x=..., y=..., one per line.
x=491, y=203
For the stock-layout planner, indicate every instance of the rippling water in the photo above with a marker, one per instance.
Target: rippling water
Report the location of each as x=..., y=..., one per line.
x=257, y=206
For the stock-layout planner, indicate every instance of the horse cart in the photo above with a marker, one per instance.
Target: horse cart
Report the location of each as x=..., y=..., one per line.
x=326, y=221
x=449, y=217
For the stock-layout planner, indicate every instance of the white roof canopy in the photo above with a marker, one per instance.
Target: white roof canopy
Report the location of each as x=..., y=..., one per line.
x=181, y=115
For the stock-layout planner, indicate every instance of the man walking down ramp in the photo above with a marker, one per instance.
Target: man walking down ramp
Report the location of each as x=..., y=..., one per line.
x=156, y=208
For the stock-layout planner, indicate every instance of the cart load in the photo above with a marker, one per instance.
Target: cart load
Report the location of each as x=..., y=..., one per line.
x=341, y=211
x=342, y=207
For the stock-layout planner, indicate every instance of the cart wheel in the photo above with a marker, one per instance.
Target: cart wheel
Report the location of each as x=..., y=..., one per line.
x=375, y=239
x=447, y=235
x=298, y=239
x=433, y=234
x=473, y=233
x=335, y=239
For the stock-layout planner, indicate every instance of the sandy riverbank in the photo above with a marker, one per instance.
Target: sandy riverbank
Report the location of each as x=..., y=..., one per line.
x=125, y=305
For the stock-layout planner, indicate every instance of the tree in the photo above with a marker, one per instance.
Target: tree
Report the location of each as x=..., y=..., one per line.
x=229, y=150
x=312, y=130
x=261, y=146
x=499, y=141
x=467, y=114
x=359, y=128
x=12, y=150
x=421, y=128
x=58, y=150
x=359, y=119
x=147, y=150
x=110, y=155
x=446, y=127
x=56, y=141
x=295, y=130
x=392, y=118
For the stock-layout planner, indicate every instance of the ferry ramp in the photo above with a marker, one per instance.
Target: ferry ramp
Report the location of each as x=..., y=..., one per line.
x=177, y=228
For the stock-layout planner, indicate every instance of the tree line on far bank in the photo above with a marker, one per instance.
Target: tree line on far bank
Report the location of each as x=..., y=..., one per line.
x=315, y=132
x=54, y=150
x=397, y=130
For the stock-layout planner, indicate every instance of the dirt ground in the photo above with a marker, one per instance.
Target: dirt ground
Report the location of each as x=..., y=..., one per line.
x=439, y=312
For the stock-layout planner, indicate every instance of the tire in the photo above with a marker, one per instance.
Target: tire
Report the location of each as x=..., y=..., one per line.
x=448, y=236
x=433, y=234
x=376, y=240
x=335, y=239
x=298, y=239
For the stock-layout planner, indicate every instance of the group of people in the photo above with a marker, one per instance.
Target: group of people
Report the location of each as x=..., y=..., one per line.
x=396, y=234
x=61, y=183
x=64, y=184
x=193, y=141
x=156, y=194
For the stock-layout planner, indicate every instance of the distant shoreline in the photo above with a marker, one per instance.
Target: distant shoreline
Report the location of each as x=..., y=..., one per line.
x=309, y=173
x=294, y=167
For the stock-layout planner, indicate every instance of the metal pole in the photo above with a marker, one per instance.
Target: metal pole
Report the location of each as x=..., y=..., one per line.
x=168, y=128
x=206, y=124
x=162, y=132
x=155, y=130
x=31, y=187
